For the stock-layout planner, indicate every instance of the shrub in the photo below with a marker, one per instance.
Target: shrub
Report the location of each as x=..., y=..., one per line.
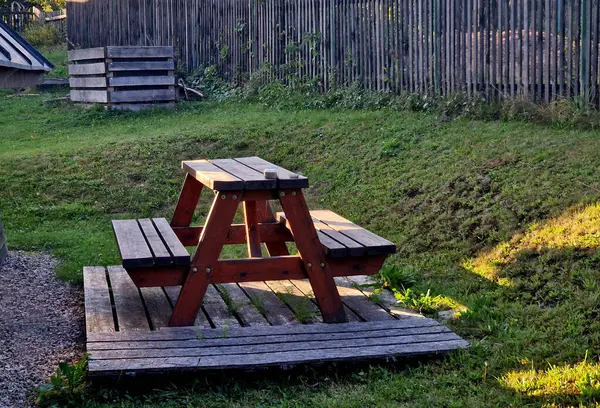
x=43, y=35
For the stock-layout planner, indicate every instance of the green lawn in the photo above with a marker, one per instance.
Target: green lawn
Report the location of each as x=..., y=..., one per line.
x=499, y=219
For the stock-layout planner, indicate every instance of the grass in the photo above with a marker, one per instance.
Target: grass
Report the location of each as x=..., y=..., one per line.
x=497, y=218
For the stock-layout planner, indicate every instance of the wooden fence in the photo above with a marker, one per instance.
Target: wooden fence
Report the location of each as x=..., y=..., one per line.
x=17, y=15
x=543, y=49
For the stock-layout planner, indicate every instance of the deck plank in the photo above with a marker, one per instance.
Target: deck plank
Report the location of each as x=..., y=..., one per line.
x=128, y=303
x=276, y=312
x=207, y=341
x=385, y=299
x=243, y=308
x=173, y=295
x=359, y=303
x=158, y=306
x=302, y=307
x=250, y=349
x=98, y=310
x=217, y=310
x=182, y=333
x=115, y=367
x=304, y=286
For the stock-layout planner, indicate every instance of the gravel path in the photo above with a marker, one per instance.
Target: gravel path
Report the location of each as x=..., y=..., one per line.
x=41, y=324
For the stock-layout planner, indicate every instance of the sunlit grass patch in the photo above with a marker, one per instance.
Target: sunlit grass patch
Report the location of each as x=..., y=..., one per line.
x=577, y=228
x=579, y=383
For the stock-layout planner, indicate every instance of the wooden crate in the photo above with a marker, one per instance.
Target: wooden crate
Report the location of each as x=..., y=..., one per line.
x=123, y=77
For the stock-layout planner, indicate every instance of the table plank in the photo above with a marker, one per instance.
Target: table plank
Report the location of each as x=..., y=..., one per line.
x=212, y=176
x=253, y=180
x=285, y=178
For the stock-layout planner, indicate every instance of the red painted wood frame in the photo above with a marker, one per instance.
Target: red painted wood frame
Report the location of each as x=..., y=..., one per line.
x=259, y=227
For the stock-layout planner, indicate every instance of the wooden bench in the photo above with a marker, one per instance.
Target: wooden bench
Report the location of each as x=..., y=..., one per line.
x=147, y=243
x=341, y=238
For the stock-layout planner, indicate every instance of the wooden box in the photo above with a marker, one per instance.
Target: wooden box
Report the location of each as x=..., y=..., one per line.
x=123, y=77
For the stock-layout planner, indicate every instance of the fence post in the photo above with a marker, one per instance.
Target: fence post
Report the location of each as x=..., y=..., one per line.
x=331, y=41
x=585, y=50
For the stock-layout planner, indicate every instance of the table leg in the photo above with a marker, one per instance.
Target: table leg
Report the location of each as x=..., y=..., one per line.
x=265, y=214
x=252, y=233
x=317, y=267
x=188, y=200
x=205, y=260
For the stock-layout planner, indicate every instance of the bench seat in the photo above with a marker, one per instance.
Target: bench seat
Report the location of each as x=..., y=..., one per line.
x=148, y=242
x=341, y=238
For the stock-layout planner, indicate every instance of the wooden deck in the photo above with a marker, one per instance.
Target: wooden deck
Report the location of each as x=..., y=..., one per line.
x=245, y=326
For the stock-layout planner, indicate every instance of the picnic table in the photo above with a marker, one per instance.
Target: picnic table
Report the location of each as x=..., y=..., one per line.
x=154, y=255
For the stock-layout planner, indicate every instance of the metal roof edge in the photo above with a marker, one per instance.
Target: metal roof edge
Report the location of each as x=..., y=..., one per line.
x=35, y=53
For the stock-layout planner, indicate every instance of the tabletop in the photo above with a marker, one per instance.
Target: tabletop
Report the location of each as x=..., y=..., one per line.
x=244, y=173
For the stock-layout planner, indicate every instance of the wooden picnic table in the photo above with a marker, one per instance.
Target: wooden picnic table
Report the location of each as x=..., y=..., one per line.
x=154, y=254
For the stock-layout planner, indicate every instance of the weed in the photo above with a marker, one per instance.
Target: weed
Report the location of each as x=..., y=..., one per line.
x=233, y=307
x=258, y=302
x=423, y=302
x=300, y=305
x=397, y=276
x=67, y=387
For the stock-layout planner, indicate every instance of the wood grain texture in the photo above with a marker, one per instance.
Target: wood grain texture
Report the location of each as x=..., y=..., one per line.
x=133, y=247
x=128, y=303
x=186, y=204
x=285, y=178
x=117, y=342
x=180, y=255
x=317, y=267
x=98, y=309
x=252, y=347
x=115, y=367
x=161, y=254
x=139, y=52
x=212, y=176
x=253, y=180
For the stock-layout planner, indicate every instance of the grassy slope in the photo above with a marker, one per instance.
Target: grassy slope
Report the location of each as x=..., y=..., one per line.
x=499, y=217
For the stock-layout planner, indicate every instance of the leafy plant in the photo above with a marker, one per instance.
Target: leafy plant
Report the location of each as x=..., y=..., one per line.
x=424, y=303
x=67, y=386
x=396, y=276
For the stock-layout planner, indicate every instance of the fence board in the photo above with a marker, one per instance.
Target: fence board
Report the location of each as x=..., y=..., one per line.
x=543, y=49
